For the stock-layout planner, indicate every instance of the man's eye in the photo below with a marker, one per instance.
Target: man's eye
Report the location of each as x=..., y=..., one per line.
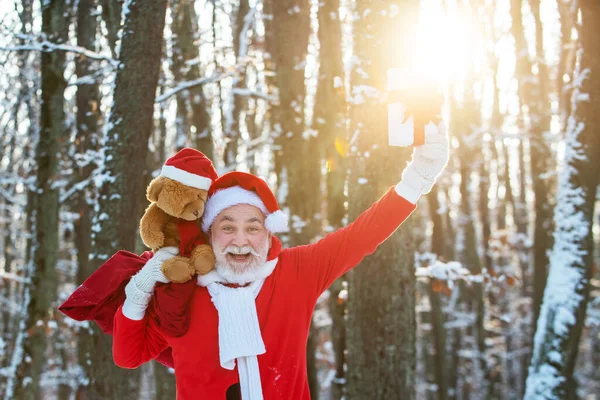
x=227, y=228
x=253, y=229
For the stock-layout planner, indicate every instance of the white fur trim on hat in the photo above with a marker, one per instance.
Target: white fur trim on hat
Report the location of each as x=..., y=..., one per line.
x=187, y=178
x=226, y=198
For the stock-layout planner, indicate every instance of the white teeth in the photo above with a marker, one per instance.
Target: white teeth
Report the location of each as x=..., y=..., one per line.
x=234, y=250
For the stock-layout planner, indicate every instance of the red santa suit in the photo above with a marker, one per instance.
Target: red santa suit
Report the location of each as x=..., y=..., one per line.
x=284, y=307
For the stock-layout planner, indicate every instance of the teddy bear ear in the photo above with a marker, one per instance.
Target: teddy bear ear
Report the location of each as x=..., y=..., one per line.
x=154, y=188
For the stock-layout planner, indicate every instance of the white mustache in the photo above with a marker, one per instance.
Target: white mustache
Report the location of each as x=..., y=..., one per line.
x=240, y=250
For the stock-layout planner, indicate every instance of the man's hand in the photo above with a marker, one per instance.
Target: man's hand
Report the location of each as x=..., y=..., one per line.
x=427, y=163
x=139, y=289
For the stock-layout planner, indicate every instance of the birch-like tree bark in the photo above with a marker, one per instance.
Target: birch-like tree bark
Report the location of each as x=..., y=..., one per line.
x=563, y=309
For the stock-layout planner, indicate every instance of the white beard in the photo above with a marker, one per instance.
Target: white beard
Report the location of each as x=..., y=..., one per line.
x=254, y=269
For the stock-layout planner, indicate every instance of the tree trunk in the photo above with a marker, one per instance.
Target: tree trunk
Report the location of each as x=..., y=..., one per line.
x=464, y=119
x=484, y=208
x=43, y=286
x=237, y=102
x=164, y=379
x=125, y=148
x=329, y=121
x=26, y=99
x=191, y=104
x=563, y=310
x=164, y=382
x=524, y=75
x=273, y=109
x=568, y=16
x=6, y=215
x=438, y=331
x=88, y=113
x=503, y=177
x=291, y=24
x=381, y=324
x=540, y=166
x=111, y=14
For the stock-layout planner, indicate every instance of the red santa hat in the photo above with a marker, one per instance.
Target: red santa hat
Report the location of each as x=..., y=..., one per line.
x=242, y=188
x=191, y=168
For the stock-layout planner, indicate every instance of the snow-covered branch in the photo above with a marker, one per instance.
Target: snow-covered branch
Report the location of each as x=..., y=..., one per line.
x=11, y=307
x=443, y=271
x=46, y=47
x=11, y=198
x=253, y=93
x=76, y=188
x=248, y=21
x=14, y=277
x=429, y=267
x=216, y=77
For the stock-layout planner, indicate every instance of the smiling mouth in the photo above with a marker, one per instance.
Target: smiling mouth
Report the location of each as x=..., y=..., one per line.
x=238, y=257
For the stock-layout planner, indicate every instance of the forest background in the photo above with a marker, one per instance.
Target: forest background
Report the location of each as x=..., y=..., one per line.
x=489, y=291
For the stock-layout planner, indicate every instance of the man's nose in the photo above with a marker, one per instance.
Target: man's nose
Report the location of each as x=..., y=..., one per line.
x=240, y=238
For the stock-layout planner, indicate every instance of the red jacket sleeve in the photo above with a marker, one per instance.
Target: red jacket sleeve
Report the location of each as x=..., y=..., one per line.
x=320, y=264
x=135, y=342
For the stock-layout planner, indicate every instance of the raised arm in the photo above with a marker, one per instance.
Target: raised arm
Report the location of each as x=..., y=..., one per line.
x=321, y=263
x=136, y=340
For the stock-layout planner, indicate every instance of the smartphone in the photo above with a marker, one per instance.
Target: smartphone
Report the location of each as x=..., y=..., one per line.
x=412, y=104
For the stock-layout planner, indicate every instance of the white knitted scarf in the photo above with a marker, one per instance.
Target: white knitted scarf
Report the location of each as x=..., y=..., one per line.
x=240, y=338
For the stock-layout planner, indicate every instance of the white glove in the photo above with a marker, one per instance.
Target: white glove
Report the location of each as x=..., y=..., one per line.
x=427, y=163
x=139, y=289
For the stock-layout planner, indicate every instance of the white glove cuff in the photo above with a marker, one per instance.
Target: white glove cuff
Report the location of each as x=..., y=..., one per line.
x=136, y=301
x=137, y=295
x=133, y=311
x=408, y=192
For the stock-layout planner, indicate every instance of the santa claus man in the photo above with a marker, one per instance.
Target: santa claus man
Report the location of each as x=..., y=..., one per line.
x=250, y=318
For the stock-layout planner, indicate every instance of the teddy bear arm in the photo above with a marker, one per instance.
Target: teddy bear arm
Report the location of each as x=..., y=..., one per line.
x=203, y=259
x=151, y=227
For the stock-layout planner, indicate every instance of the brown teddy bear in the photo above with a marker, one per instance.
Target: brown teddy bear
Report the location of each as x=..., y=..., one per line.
x=177, y=200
